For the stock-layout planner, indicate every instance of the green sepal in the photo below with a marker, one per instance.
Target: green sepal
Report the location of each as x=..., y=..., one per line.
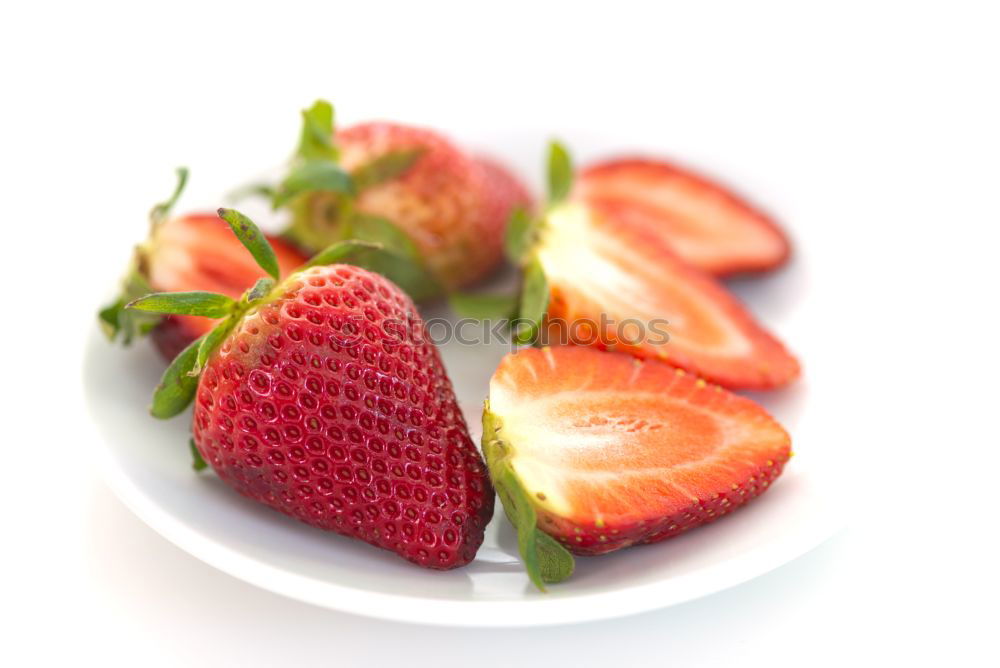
x=116, y=320
x=408, y=273
x=253, y=239
x=260, y=289
x=483, y=307
x=560, y=172
x=316, y=138
x=210, y=342
x=534, y=303
x=545, y=560
x=197, y=302
x=177, y=387
x=162, y=210
x=384, y=233
x=198, y=462
x=519, y=236
x=342, y=251
x=265, y=190
x=402, y=269
x=385, y=167
x=312, y=176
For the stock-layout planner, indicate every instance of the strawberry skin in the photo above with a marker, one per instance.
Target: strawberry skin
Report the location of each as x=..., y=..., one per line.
x=614, y=452
x=706, y=224
x=599, y=265
x=504, y=194
x=198, y=252
x=329, y=403
x=452, y=206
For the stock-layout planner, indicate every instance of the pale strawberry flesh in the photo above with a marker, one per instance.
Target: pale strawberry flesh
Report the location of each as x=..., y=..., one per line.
x=614, y=451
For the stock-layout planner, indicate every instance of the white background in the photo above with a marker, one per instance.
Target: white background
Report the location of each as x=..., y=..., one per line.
x=870, y=128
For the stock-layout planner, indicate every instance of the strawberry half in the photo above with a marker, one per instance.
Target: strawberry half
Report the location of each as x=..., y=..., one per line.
x=703, y=222
x=323, y=397
x=192, y=252
x=603, y=269
x=592, y=277
x=408, y=188
x=600, y=452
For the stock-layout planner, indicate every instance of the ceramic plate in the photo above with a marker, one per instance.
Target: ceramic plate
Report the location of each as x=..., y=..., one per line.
x=147, y=463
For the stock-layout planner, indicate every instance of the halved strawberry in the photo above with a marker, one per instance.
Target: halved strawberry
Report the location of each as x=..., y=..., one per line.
x=615, y=283
x=601, y=452
x=192, y=252
x=705, y=223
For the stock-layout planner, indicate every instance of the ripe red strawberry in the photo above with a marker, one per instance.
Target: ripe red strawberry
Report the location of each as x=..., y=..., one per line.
x=450, y=208
x=706, y=224
x=192, y=252
x=595, y=278
x=601, y=452
x=323, y=398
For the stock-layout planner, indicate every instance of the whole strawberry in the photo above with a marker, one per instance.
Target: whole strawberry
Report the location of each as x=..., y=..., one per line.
x=408, y=188
x=323, y=398
x=190, y=252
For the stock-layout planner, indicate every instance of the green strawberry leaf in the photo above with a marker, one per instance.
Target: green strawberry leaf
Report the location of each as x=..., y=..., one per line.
x=253, y=239
x=176, y=388
x=534, y=303
x=162, y=210
x=483, y=307
x=199, y=302
x=116, y=320
x=545, y=560
x=265, y=190
x=519, y=236
x=384, y=233
x=560, y=172
x=198, y=463
x=260, y=289
x=409, y=274
x=385, y=167
x=316, y=138
x=405, y=271
x=342, y=251
x=210, y=342
x=310, y=176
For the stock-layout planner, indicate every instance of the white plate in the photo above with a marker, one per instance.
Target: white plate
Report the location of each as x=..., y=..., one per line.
x=147, y=463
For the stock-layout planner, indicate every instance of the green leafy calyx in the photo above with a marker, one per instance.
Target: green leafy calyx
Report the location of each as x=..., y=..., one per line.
x=160, y=211
x=534, y=303
x=385, y=167
x=198, y=463
x=115, y=320
x=560, y=172
x=316, y=140
x=207, y=304
x=253, y=239
x=545, y=560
